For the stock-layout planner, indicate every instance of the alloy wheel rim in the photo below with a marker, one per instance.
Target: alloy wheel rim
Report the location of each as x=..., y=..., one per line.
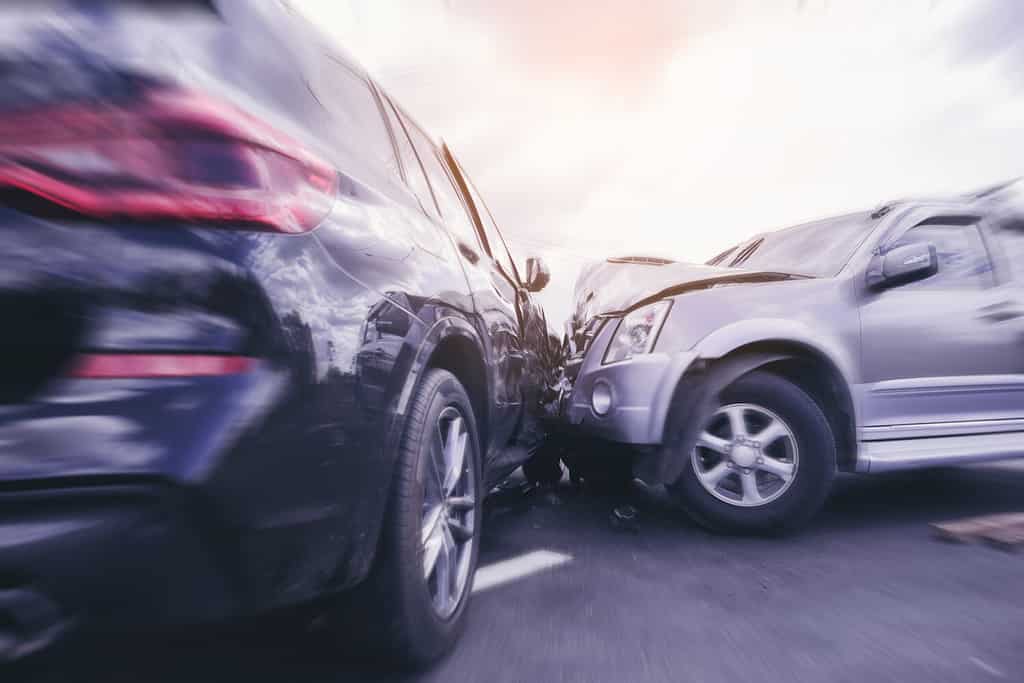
x=448, y=523
x=746, y=455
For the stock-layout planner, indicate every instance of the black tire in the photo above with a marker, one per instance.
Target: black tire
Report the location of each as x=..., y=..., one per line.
x=396, y=600
x=811, y=483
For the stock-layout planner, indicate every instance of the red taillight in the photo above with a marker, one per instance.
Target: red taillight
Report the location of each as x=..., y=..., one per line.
x=173, y=156
x=141, y=366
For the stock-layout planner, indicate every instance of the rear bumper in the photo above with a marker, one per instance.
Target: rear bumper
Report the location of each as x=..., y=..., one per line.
x=114, y=555
x=175, y=429
x=277, y=475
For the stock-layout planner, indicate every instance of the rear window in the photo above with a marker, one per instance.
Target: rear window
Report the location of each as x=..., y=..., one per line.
x=348, y=96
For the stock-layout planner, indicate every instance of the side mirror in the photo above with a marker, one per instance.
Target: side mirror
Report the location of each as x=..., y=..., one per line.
x=537, y=274
x=904, y=264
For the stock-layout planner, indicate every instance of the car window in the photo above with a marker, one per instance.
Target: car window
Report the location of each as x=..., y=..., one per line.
x=350, y=99
x=415, y=176
x=963, y=259
x=499, y=251
x=449, y=200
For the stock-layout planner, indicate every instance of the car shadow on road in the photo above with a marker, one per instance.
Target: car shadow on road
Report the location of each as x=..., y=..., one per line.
x=280, y=651
x=288, y=649
x=863, y=503
x=922, y=497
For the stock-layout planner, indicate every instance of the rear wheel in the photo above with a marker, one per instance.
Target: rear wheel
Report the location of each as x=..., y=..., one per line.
x=428, y=556
x=763, y=462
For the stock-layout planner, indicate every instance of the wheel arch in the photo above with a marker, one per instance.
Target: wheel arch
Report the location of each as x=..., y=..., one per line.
x=453, y=344
x=808, y=366
x=815, y=372
x=820, y=363
x=460, y=356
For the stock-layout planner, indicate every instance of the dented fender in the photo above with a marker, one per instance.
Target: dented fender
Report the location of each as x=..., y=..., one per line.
x=696, y=398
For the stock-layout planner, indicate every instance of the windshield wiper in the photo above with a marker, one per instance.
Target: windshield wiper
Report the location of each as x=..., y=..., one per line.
x=746, y=252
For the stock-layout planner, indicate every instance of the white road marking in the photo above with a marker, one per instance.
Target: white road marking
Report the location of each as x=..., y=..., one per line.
x=516, y=568
x=987, y=668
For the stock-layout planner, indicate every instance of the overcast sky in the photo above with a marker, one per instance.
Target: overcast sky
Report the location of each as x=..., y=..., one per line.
x=677, y=127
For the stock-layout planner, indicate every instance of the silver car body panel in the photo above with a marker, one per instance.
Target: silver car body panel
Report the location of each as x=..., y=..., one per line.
x=933, y=379
x=905, y=454
x=940, y=429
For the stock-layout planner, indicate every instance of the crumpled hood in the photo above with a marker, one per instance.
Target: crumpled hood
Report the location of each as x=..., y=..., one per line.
x=611, y=286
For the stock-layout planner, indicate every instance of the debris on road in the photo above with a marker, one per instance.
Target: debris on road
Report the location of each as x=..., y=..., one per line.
x=624, y=518
x=507, y=496
x=1004, y=531
x=1010, y=538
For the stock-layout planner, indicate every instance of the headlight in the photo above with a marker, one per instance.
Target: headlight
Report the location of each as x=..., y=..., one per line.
x=637, y=332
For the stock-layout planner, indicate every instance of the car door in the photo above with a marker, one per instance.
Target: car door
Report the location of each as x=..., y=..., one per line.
x=533, y=332
x=493, y=298
x=938, y=356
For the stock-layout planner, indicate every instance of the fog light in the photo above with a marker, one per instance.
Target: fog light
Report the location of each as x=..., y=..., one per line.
x=601, y=398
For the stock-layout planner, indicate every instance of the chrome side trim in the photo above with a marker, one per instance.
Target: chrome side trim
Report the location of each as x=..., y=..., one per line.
x=905, y=454
x=958, y=384
x=940, y=429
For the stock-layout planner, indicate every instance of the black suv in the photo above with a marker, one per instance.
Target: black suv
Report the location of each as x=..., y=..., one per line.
x=263, y=341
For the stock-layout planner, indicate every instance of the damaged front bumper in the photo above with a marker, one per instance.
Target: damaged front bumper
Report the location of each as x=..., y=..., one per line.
x=626, y=402
x=653, y=403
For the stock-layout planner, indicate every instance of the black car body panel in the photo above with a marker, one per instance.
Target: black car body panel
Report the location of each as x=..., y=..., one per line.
x=261, y=487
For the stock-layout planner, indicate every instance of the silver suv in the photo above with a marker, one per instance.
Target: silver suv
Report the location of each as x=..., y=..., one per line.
x=870, y=342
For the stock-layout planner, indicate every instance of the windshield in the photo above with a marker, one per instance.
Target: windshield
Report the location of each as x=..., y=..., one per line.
x=820, y=249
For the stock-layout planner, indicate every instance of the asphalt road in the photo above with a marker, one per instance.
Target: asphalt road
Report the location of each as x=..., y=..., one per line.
x=865, y=594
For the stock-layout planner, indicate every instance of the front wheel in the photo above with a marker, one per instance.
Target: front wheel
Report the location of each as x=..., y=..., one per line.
x=428, y=555
x=763, y=462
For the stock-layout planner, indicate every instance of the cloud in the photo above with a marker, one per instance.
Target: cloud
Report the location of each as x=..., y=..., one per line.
x=588, y=44
x=679, y=128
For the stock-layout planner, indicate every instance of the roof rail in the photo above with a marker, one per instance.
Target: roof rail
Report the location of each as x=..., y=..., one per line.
x=641, y=260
